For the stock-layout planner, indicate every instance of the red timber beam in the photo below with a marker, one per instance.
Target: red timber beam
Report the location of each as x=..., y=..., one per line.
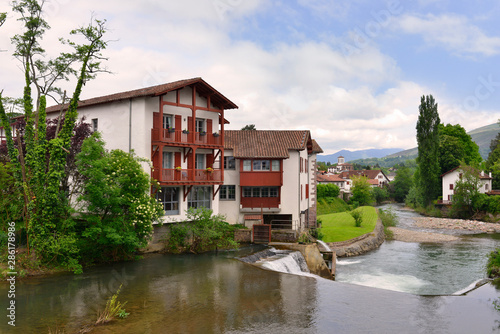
x=216, y=191
x=186, y=192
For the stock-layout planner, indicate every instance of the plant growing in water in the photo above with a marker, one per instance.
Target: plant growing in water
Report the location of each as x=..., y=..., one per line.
x=113, y=309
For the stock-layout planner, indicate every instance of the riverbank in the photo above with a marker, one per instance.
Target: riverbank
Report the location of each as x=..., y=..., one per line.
x=402, y=234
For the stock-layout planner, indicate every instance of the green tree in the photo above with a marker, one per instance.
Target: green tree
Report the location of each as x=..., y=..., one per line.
x=493, y=162
x=249, y=127
x=361, y=190
x=402, y=184
x=40, y=168
x=428, y=149
x=327, y=190
x=117, y=209
x=456, y=146
x=466, y=193
x=379, y=194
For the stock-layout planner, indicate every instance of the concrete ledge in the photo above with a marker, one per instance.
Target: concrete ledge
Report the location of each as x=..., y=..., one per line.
x=361, y=244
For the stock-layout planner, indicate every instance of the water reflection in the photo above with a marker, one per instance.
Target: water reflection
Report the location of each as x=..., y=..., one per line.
x=218, y=294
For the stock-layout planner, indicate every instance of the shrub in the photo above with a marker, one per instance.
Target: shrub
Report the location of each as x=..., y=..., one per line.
x=388, y=218
x=327, y=190
x=493, y=265
x=201, y=232
x=358, y=217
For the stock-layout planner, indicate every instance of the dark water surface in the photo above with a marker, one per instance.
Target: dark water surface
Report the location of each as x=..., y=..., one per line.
x=219, y=294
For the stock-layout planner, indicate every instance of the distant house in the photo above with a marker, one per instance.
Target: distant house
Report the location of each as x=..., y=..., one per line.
x=450, y=178
x=341, y=166
x=376, y=177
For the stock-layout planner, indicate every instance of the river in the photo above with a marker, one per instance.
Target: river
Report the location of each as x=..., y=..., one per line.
x=216, y=293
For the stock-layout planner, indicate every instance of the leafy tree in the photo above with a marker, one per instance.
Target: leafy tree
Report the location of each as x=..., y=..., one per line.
x=466, y=193
x=322, y=166
x=493, y=161
x=118, y=211
x=456, y=146
x=249, y=127
x=39, y=167
x=402, y=184
x=379, y=194
x=327, y=190
x=428, y=149
x=361, y=190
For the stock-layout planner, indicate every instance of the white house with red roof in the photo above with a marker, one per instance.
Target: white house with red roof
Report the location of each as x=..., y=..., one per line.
x=450, y=178
x=269, y=176
x=179, y=126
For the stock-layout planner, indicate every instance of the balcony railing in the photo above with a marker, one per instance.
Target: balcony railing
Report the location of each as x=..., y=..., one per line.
x=185, y=137
x=183, y=176
x=260, y=202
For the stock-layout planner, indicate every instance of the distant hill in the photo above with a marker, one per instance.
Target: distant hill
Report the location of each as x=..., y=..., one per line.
x=360, y=154
x=388, y=157
x=481, y=136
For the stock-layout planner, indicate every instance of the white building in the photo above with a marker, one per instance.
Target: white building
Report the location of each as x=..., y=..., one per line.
x=179, y=126
x=450, y=178
x=270, y=176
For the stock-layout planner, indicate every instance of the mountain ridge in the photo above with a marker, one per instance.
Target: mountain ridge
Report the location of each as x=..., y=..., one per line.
x=482, y=136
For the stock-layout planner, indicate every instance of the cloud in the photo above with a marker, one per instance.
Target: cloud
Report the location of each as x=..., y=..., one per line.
x=453, y=32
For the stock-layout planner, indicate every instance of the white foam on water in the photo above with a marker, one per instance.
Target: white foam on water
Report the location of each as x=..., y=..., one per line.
x=291, y=263
x=347, y=262
x=401, y=283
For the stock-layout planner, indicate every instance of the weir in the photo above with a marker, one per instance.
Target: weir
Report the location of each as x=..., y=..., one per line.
x=304, y=257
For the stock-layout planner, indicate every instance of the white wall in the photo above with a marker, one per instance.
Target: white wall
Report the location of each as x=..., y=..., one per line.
x=231, y=209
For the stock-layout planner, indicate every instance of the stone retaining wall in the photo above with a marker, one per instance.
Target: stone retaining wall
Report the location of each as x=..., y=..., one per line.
x=361, y=244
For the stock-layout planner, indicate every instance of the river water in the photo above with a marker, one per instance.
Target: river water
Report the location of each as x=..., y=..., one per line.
x=420, y=268
x=217, y=293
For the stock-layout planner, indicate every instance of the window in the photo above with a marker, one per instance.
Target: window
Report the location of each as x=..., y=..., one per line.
x=260, y=191
x=229, y=163
x=486, y=187
x=200, y=197
x=247, y=165
x=200, y=125
x=94, y=124
x=227, y=193
x=259, y=165
x=168, y=160
x=276, y=166
x=200, y=161
x=169, y=198
x=168, y=121
x=451, y=186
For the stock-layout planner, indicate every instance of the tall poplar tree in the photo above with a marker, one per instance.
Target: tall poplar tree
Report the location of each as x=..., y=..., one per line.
x=428, y=149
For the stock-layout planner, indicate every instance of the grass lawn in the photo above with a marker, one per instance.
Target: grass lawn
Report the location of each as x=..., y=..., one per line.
x=340, y=226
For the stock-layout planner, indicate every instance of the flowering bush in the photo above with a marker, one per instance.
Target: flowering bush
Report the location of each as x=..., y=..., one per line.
x=116, y=207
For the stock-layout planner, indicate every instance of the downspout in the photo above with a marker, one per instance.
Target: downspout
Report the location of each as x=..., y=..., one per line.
x=129, y=125
x=299, y=195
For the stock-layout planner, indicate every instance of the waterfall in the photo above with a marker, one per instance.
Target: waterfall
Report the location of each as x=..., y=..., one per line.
x=325, y=246
x=285, y=261
x=291, y=263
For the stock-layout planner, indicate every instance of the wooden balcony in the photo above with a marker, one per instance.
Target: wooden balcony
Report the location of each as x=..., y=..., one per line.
x=188, y=176
x=260, y=202
x=180, y=137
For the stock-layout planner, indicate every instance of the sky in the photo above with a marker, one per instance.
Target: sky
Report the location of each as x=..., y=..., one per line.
x=352, y=71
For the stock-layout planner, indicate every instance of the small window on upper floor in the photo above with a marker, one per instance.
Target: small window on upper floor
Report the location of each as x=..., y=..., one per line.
x=200, y=125
x=94, y=124
x=229, y=162
x=168, y=121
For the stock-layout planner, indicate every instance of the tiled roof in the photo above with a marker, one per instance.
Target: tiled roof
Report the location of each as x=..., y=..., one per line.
x=482, y=174
x=316, y=148
x=203, y=88
x=329, y=178
x=370, y=174
x=265, y=143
